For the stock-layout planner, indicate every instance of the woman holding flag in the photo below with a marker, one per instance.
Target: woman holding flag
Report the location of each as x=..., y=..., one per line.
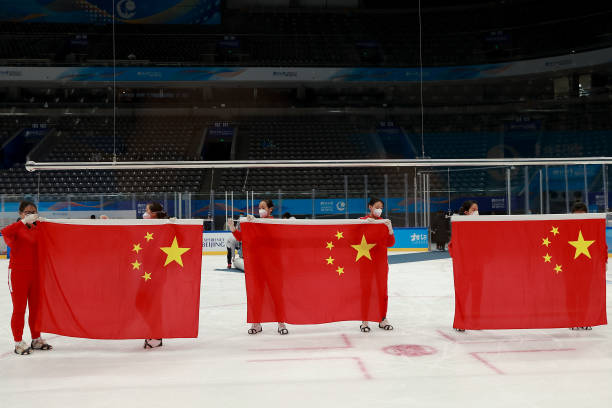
x=580, y=208
x=469, y=208
x=375, y=207
x=154, y=211
x=265, y=211
x=21, y=237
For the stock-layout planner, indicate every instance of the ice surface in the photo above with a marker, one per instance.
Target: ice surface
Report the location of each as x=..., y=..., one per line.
x=422, y=363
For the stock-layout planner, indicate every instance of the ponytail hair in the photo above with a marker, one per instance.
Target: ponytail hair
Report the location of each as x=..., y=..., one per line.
x=157, y=209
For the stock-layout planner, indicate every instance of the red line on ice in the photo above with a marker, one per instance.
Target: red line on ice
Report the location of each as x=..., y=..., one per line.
x=525, y=351
x=454, y=340
x=487, y=363
x=477, y=356
x=446, y=336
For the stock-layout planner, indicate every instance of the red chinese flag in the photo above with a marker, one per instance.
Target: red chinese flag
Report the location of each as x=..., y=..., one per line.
x=120, y=279
x=310, y=272
x=527, y=272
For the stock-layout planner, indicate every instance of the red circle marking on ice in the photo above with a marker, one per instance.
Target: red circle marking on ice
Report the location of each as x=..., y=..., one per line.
x=409, y=350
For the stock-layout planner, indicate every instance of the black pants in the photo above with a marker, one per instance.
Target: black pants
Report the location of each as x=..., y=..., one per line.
x=229, y=255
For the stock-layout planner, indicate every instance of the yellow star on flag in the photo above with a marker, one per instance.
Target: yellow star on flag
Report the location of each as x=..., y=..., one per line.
x=136, y=264
x=149, y=236
x=546, y=242
x=174, y=253
x=340, y=270
x=547, y=258
x=363, y=249
x=330, y=260
x=554, y=230
x=146, y=276
x=136, y=248
x=330, y=245
x=339, y=235
x=558, y=269
x=582, y=246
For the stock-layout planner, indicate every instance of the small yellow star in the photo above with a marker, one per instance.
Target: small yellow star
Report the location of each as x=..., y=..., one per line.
x=339, y=235
x=136, y=248
x=558, y=269
x=174, y=252
x=330, y=261
x=330, y=245
x=582, y=246
x=149, y=236
x=146, y=276
x=546, y=242
x=363, y=249
x=547, y=258
x=554, y=230
x=340, y=270
x=136, y=264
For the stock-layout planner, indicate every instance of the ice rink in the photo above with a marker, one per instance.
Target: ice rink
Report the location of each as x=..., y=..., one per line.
x=422, y=363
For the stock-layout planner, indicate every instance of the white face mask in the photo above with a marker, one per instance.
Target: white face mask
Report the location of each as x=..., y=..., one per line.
x=262, y=213
x=146, y=216
x=475, y=212
x=377, y=212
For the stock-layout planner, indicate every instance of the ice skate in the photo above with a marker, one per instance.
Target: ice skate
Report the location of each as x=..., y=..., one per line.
x=153, y=343
x=255, y=328
x=282, y=329
x=22, y=348
x=41, y=344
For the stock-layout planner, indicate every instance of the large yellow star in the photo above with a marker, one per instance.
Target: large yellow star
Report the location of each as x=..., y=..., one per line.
x=146, y=276
x=340, y=270
x=582, y=246
x=546, y=242
x=174, y=253
x=330, y=245
x=149, y=236
x=339, y=235
x=136, y=248
x=330, y=260
x=136, y=264
x=558, y=269
x=547, y=258
x=363, y=249
x=554, y=230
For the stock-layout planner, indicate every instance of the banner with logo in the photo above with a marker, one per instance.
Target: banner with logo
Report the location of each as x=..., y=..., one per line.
x=101, y=11
x=213, y=243
x=411, y=239
x=258, y=74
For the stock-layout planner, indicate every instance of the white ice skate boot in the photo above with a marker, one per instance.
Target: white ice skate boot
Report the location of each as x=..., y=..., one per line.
x=22, y=348
x=41, y=344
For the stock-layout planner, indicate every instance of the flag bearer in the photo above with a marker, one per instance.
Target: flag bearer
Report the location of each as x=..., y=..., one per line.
x=23, y=283
x=375, y=207
x=265, y=211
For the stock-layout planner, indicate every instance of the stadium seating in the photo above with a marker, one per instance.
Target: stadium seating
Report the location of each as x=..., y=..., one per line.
x=287, y=37
x=89, y=138
x=302, y=139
